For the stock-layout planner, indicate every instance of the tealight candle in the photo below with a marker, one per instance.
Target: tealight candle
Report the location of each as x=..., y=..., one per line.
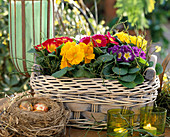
x=150, y=129
x=120, y=132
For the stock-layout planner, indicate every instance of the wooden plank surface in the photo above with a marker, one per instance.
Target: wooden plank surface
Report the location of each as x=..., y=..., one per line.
x=74, y=132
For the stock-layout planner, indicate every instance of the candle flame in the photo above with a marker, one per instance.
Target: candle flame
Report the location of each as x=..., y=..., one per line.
x=148, y=125
x=119, y=130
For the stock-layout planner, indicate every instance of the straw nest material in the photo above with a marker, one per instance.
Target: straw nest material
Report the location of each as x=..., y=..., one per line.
x=33, y=123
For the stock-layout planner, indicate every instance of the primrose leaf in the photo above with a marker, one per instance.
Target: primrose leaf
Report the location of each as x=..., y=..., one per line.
x=62, y=72
x=139, y=79
x=127, y=84
x=107, y=70
x=124, y=63
x=128, y=78
x=120, y=71
x=150, y=63
x=158, y=69
x=133, y=70
x=97, y=50
x=82, y=72
x=105, y=58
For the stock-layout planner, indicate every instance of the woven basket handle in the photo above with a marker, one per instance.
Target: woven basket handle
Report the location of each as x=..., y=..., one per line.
x=150, y=72
x=153, y=58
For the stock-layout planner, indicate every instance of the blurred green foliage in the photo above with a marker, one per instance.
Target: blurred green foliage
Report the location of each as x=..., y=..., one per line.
x=73, y=19
x=157, y=20
x=10, y=80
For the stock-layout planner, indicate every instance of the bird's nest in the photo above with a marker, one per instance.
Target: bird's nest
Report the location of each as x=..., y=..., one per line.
x=32, y=123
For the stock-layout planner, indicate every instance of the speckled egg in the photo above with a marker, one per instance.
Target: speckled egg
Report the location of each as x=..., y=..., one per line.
x=40, y=107
x=26, y=105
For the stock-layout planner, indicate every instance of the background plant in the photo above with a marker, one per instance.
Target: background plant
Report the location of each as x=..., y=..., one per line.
x=10, y=80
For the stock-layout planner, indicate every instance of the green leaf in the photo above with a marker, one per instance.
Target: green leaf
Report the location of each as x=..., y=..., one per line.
x=82, y=72
x=62, y=72
x=120, y=71
x=60, y=46
x=128, y=84
x=128, y=78
x=7, y=79
x=159, y=69
x=142, y=61
x=58, y=49
x=39, y=59
x=133, y=70
x=97, y=50
x=105, y=58
x=32, y=51
x=51, y=55
x=150, y=63
x=124, y=63
x=107, y=70
x=104, y=49
x=14, y=80
x=97, y=63
x=139, y=79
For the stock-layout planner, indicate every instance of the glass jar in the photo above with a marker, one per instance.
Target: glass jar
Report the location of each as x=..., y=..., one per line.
x=152, y=120
x=118, y=122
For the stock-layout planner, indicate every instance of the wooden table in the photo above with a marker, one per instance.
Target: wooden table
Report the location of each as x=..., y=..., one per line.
x=75, y=132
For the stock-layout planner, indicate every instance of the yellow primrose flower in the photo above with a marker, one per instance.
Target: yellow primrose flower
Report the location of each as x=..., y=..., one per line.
x=66, y=47
x=158, y=48
x=64, y=63
x=88, y=51
x=141, y=43
x=72, y=54
x=123, y=37
x=133, y=39
x=75, y=55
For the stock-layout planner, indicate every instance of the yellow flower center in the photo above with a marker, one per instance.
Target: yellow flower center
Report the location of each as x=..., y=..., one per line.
x=111, y=39
x=51, y=47
x=127, y=55
x=98, y=41
x=119, y=55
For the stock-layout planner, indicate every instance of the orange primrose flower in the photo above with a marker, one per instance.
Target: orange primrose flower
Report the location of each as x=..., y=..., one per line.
x=88, y=51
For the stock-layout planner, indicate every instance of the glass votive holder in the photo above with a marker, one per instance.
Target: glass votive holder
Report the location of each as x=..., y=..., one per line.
x=153, y=119
x=118, y=122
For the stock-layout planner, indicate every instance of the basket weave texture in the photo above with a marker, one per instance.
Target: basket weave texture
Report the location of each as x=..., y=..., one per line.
x=30, y=123
x=93, y=96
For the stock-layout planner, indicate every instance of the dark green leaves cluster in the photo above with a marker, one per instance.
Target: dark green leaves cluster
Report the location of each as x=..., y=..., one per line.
x=128, y=76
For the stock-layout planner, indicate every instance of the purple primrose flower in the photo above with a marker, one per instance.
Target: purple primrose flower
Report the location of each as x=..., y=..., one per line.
x=113, y=49
x=125, y=53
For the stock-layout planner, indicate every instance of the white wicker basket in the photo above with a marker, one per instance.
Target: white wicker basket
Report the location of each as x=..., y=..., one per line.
x=90, y=98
